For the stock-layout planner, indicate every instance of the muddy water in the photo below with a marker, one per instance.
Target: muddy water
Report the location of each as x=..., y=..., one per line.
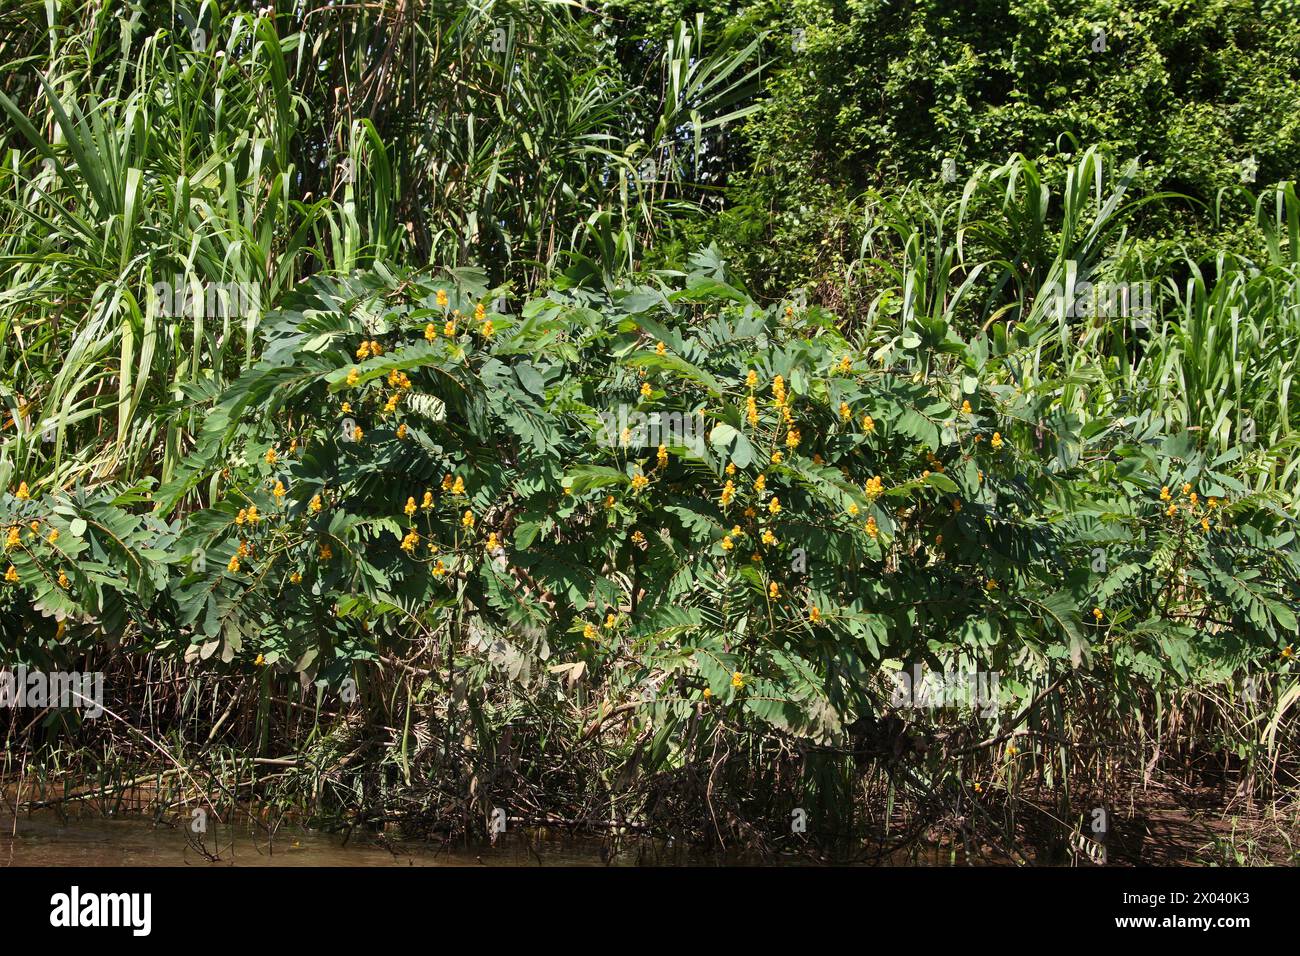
x=45, y=840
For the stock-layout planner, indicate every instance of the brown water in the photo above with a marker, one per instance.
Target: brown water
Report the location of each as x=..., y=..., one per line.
x=45, y=840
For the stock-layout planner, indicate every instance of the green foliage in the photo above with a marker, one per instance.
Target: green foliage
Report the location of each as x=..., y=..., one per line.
x=404, y=464
x=871, y=94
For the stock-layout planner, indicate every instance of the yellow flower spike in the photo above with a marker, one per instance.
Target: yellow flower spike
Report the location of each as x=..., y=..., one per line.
x=363, y=351
x=441, y=295
x=480, y=312
x=233, y=566
x=737, y=680
x=354, y=376
x=1097, y=613
x=439, y=569
x=467, y=519
x=1187, y=488
x=727, y=544
x=63, y=579
x=488, y=329
x=449, y=328
x=625, y=437
x=751, y=379
x=54, y=535
x=868, y=424
x=660, y=349
x=769, y=538
x=1212, y=503
x=792, y=439
x=271, y=456
x=638, y=537
x=639, y=482
x=730, y=469
x=707, y=693
x=760, y=483
x=990, y=584
x=774, y=506
x=751, y=411
x=778, y=390
x=611, y=620
x=316, y=504
x=22, y=494
x=728, y=492
x=777, y=457
x=402, y=431
x=996, y=440
x=410, y=542
x=965, y=408
x=872, y=529
x=662, y=456
x=814, y=614
x=430, y=332
x=1194, y=498
x=646, y=390
x=325, y=552
x=589, y=632
x=1171, y=510
x=609, y=501
x=410, y=507
x=853, y=510
x=279, y=491
x=12, y=575
x=1205, y=524
x=295, y=577
x=774, y=590
x=427, y=502
x=346, y=408
x=458, y=486
x=874, y=488
x=253, y=516
x=1164, y=493
x=845, y=412
x=446, y=482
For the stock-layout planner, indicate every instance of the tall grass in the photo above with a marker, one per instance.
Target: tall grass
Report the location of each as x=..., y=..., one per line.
x=1216, y=356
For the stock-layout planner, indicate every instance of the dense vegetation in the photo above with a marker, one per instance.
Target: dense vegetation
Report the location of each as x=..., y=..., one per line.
x=600, y=410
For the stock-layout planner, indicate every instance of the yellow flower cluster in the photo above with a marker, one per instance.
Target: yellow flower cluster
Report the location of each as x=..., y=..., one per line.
x=728, y=492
